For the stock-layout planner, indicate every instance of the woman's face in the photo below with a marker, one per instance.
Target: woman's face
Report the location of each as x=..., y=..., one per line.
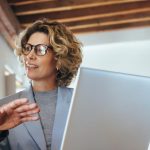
x=40, y=67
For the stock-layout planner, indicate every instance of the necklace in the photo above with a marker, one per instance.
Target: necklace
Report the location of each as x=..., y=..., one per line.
x=33, y=94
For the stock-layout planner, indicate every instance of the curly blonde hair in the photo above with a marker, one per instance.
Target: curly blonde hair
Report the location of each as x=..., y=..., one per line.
x=66, y=47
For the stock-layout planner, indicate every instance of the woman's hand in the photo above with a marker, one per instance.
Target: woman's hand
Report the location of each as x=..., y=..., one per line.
x=17, y=112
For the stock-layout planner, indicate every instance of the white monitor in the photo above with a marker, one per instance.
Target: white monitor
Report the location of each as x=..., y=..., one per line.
x=109, y=111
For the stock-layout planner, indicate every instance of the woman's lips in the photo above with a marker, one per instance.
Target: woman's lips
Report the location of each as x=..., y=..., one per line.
x=31, y=66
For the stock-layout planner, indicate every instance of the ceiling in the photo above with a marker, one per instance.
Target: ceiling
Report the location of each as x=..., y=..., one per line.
x=81, y=16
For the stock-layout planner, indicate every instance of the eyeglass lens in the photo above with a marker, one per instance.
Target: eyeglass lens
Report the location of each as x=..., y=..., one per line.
x=39, y=49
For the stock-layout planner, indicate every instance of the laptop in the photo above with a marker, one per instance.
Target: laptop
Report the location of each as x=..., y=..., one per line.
x=109, y=111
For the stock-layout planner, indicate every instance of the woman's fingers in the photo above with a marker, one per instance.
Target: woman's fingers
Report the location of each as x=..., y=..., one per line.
x=16, y=112
x=30, y=112
x=1, y=110
x=29, y=118
x=17, y=103
x=9, y=107
x=27, y=108
x=27, y=111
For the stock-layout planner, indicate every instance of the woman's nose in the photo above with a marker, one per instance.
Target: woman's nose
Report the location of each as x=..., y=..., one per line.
x=32, y=54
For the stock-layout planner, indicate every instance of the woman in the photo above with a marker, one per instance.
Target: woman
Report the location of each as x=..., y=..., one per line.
x=51, y=55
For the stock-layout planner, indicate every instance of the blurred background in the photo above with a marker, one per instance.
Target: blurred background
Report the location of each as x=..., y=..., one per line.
x=115, y=34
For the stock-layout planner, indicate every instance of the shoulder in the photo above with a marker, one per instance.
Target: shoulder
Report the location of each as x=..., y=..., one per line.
x=66, y=90
x=65, y=93
x=11, y=97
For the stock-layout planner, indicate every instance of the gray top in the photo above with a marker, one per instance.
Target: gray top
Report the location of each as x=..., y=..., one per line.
x=47, y=103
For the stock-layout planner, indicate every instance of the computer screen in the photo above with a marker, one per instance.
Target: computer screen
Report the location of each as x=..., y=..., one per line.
x=109, y=111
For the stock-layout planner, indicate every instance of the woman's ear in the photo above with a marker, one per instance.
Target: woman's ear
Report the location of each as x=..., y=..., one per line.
x=58, y=64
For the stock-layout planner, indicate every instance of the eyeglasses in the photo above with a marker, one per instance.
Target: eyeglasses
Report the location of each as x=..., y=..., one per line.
x=40, y=49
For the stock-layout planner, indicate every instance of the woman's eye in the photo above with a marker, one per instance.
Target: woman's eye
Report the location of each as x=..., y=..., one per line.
x=42, y=50
x=28, y=48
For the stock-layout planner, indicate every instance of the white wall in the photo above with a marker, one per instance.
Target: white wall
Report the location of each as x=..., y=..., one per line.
x=7, y=56
x=124, y=35
x=2, y=82
x=126, y=51
x=128, y=57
